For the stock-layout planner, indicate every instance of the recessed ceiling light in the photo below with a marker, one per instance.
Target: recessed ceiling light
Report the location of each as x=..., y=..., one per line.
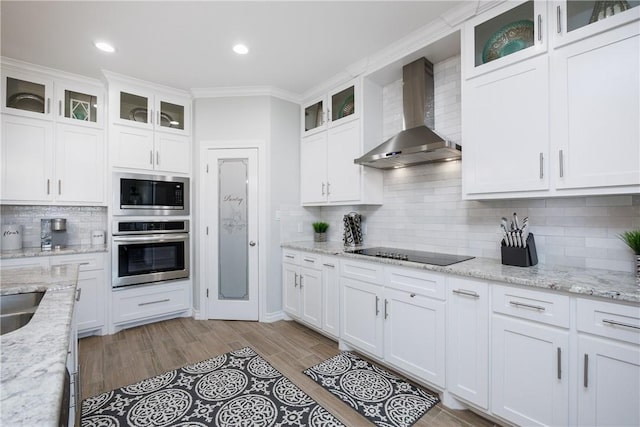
x=241, y=49
x=105, y=47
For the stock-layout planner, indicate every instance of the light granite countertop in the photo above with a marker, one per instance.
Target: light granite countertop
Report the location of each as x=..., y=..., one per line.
x=33, y=358
x=37, y=252
x=607, y=284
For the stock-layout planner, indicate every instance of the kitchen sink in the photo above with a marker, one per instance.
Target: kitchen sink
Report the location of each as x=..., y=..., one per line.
x=17, y=310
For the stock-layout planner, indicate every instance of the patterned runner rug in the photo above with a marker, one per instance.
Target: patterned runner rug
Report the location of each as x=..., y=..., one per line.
x=234, y=389
x=380, y=396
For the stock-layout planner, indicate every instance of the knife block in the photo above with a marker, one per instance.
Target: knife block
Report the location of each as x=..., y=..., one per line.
x=520, y=257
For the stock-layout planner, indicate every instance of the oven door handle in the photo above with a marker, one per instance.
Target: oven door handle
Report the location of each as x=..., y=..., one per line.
x=156, y=238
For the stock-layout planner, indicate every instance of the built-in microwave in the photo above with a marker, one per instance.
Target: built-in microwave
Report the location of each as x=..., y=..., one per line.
x=140, y=194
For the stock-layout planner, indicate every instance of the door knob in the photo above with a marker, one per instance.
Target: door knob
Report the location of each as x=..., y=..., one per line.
x=252, y=243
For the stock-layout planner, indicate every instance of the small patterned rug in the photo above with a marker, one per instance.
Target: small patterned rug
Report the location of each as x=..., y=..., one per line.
x=380, y=396
x=234, y=389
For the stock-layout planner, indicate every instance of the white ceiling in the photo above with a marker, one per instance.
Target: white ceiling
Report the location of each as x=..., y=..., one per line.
x=293, y=45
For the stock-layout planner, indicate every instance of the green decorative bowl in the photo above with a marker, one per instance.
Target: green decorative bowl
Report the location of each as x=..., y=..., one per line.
x=507, y=40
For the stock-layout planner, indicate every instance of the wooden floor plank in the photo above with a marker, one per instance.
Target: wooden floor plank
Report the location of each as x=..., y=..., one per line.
x=131, y=355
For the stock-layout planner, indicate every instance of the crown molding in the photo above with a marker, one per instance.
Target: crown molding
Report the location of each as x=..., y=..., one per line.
x=23, y=65
x=111, y=76
x=238, y=91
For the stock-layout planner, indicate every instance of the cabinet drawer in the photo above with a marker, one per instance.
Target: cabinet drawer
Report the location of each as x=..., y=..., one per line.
x=543, y=307
x=609, y=320
x=365, y=271
x=88, y=261
x=310, y=260
x=153, y=300
x=25, y=262
x=416, y=282
x=290, y=257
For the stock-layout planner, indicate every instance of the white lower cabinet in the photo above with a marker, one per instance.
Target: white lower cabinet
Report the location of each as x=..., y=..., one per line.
x=305, y=288
x=529, y=356
x=362, y=321
x=608, y=364
x=331, y=296
x=138, y=303
x=90, y=305
x=468, y=340
x=395, y=319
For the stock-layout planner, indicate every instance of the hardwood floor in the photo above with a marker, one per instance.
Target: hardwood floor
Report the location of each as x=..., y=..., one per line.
x=113, y=361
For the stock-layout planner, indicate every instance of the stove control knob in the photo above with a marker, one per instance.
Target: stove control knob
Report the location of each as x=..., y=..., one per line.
x=405, y=257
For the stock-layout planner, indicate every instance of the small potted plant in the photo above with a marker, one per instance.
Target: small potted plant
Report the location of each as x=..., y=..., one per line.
x=320, y=229
x=632, y=239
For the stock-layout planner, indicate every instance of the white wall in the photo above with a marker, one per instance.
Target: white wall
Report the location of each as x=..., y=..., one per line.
x=254, y=118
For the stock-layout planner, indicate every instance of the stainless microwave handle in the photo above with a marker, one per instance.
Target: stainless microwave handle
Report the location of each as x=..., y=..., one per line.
x=151, y=238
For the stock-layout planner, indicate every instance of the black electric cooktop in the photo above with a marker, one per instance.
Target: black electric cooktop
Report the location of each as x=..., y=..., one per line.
x=422, y=257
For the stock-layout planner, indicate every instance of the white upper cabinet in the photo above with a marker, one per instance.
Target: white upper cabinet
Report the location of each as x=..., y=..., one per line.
x=151, y=126
x=506, y=34
x=571, y=21
x=333, y=135
x=26, y=94
x=341, y=105
x=146, y=108
x=53, y=148
x=79, y=104
x=557, y=118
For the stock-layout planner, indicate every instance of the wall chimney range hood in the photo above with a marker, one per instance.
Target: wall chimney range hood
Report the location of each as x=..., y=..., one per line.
x=418, y=144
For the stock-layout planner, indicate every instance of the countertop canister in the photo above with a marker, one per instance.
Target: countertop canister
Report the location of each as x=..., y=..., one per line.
x=11, y=237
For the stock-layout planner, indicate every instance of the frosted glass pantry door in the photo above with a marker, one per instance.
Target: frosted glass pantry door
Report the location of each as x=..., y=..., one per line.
x=231, y=252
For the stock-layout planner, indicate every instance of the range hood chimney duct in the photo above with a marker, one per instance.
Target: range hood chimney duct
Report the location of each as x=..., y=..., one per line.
x=418, y=143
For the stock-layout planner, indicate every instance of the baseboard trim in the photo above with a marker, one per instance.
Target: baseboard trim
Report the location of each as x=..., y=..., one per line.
x=272, y=317
x=198, y=315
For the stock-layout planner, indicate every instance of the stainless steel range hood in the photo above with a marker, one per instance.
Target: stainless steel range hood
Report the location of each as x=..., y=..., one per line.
x=417, y=144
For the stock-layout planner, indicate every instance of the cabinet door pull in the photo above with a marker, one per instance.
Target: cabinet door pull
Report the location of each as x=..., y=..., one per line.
x=559, y=20
x=48, y=105
x=310, y=260
x=153, y=302
x=78, y=293
x=386, y=311
x=328, y=184
x=60, y=107
x=377, y=309
x=523, y=305
x=323, y=188
x=48, y=186
x=614, y=323
x=539, y=27
x=585, y=379
x=412, y=295
x=158, y=117
x=295, y=280
x=290, y=256
x=59, y=187
x=151, y=157
x=150, y=118
x=559, y=363
x=466, y=293
x=329, y=265
x=301, y=277
x=561, y=162
x=541, y=165
x=158, y=157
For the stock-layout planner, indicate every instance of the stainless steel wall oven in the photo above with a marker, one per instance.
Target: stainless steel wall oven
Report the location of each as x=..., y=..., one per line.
x=149, y=251
x=140, y=194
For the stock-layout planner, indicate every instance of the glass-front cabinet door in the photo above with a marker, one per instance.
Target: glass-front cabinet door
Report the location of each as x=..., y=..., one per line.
x=79, y=105
x=506, y=34
x=26, y=94
x=573, y=20
x=343, y=106
x=172, y=114
x=314, y=116
x=132, y=106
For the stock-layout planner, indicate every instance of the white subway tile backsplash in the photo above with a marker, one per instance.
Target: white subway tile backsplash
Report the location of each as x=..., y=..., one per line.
x=81, y=220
